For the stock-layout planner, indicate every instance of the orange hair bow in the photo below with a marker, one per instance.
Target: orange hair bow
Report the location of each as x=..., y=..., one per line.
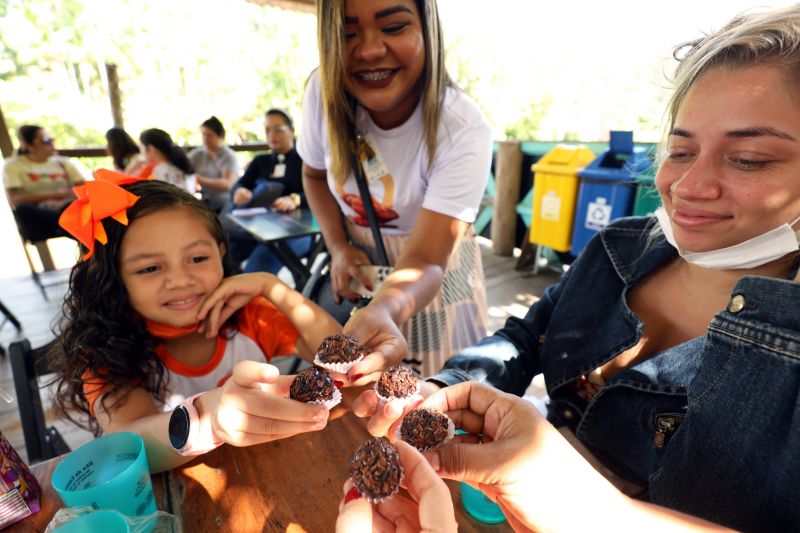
x=97, y=200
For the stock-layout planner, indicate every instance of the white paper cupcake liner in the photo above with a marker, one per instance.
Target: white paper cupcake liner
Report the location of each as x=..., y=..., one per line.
x=451, y=431
x=402, y=402
x=336, y=368
x=333, y=402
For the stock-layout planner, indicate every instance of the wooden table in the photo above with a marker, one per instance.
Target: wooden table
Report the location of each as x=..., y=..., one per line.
x=292, y=485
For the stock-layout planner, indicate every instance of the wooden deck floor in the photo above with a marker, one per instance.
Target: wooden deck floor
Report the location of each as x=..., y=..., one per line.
x=509, y=292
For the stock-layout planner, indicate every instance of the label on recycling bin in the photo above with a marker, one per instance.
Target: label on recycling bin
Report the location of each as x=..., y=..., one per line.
x=551, y=206
x=598, y=214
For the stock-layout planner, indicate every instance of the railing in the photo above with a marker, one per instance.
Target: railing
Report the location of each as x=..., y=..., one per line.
x=101, y=151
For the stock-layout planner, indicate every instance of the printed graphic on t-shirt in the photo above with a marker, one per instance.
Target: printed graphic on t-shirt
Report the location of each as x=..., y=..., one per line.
x=36, y=177
x=381, y=186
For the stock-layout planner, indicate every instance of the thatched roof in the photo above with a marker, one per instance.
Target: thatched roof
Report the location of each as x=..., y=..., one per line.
x=306, y=6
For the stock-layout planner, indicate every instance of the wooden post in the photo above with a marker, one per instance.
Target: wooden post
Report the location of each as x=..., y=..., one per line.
x=6, y=147
x=114, y=94
x=508, y=173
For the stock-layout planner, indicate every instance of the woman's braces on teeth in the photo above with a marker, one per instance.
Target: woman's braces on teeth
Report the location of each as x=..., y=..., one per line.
x=375, y=75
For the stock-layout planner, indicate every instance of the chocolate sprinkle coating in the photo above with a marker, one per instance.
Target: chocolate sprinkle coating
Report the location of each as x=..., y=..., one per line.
x=340, y=349
x=397, y=382
x=424, y=428
x=375, y=469
x=312, y=384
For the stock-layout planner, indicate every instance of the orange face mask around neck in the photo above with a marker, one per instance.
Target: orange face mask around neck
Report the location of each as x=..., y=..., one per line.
x=165, y=331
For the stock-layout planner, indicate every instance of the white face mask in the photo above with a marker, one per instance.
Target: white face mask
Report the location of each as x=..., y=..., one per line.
x=751, y=253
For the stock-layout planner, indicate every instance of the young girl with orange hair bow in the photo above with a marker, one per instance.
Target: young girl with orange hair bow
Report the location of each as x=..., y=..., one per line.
x=152, y=319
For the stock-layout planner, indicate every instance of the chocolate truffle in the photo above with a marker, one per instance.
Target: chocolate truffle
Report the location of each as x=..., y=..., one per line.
x=397, y=382
x=425, y=428
x=312, y=384
x=340, y=349
x=375, y=469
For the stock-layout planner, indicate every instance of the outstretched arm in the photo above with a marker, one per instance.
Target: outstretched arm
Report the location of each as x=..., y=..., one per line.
x=416, y=279
x=251, y=408
x=525, y=464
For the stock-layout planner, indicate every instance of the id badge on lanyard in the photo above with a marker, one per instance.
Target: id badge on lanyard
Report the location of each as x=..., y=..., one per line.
x=279, y=170
x=372, y=160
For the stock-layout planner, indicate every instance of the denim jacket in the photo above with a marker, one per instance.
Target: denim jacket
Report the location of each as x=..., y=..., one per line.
x=711, y=426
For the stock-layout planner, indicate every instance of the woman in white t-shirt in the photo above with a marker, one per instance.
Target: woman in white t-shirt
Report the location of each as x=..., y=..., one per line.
x=426, y=150
x=166, y=161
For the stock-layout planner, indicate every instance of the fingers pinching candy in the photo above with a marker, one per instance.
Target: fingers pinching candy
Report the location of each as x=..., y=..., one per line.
x=375, y=470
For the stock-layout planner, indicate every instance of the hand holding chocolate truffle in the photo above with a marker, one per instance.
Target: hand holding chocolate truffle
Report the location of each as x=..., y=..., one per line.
x=430, y=507
x=338, y=353
x=315, y=385
x=252, y=407
x=511, y=453
x=384, y=414
x=375, y=470
x=383, y=340
x=426, y=428
x=397, y=383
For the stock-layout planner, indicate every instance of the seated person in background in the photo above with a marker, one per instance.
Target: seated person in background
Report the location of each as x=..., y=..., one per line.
x=271, y=180
x=215, y=165
x=166, y=161
x=124, y=151
x=39, y=184
x=278, y=170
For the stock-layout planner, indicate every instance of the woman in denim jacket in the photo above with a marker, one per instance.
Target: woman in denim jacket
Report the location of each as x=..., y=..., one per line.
x=698, y=405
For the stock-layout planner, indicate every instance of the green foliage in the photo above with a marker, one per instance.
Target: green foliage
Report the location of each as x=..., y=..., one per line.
x=181, y=61
x=178, y=62
x=527, y=127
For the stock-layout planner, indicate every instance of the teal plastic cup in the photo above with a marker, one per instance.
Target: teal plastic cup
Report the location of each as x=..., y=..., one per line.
x=97, y=522
x=479, y=506
x=110, y=472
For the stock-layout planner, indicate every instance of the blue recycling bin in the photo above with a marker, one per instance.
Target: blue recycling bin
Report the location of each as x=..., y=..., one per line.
x=607, y=187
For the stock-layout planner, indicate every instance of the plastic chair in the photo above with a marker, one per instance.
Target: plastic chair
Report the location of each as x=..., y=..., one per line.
x=27, y=364
x=9, y=317
x=46, y=260
x=44, y=257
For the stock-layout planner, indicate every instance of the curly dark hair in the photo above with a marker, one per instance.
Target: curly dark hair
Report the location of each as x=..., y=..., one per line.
x=99, y=330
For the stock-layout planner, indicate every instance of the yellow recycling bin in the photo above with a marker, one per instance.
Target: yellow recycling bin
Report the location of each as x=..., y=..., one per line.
x=555, y=191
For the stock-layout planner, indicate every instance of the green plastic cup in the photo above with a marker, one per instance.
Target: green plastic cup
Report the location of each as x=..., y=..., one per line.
x=110, y=472
x=97, y=522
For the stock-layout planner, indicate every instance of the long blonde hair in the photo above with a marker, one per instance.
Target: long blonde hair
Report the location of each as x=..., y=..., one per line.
x=770, y=38
x=340, y=111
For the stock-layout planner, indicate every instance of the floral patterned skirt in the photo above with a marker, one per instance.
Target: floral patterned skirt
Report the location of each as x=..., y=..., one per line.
x=455, y=319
